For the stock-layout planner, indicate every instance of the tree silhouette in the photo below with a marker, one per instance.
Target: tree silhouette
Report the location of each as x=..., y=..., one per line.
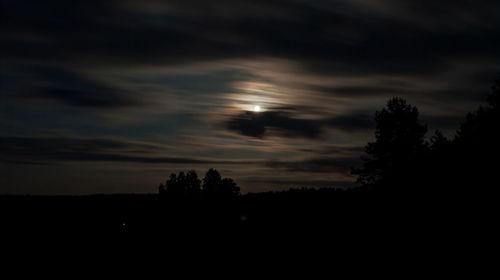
x=182, y=185
x=211, y=181
x=494, y=98
x=187, y=185
x=228, y=188
x=399, y=144
x=215, y=186
x=476, y=144
x=401, y=156
x=175, y=185
x=193, y=184
x=481, y=126
x=161, y=189
x=439, y=142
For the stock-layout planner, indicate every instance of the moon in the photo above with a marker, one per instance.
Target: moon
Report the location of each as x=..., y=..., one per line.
x=256, y=108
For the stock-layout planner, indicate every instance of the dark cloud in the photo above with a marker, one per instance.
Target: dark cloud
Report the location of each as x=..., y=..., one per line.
x=61, y=149
x=358, y=91
x=341, y=38
x=352, y=122
x=199, y=84
x=462, y=13
x=340, y=165
x=335, y=150
x=303, y=183
x=38, y=146
x=466, y=89
x=67, y=87
x=104, y=98
x=333, y=37
x=470, y=94
x=444, y=122
x=282, y=123
x=257, y=124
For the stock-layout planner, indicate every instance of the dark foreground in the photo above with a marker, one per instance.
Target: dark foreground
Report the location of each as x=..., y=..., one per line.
x=326, y=213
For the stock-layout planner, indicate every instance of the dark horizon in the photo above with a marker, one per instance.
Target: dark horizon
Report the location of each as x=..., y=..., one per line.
x=113, y=97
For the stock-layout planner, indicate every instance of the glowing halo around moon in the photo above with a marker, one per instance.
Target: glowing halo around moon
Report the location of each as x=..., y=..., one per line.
x=256, y=108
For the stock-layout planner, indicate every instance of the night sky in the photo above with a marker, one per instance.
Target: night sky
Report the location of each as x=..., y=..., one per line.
x=113, y=96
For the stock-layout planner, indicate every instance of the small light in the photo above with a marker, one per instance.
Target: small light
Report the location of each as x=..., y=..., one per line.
x=256, y=108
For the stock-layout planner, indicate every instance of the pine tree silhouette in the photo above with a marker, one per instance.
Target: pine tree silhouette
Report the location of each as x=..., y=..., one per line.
x=394, y=156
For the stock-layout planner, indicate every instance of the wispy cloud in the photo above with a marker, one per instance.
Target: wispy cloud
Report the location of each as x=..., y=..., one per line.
x=71, y=149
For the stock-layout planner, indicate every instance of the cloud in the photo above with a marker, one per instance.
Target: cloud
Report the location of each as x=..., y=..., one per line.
x=100, y=98
x=257, y=124
x=341, y=165
x=444, y=13
x=358, y=91
x=211, y=82
x=328, y=38
x=352, y=122
x=335, y=150
x=68, y=87
x=32, y=149
x=39, y=146
x=303, y=183
x=331, y=37
x=443, y=122
x=282, y=123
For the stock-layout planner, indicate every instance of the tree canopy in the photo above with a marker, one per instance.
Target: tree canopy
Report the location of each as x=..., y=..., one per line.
x=399, y=142
x=187, y=185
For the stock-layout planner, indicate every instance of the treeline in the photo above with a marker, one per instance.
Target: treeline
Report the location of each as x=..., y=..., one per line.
x=187, y=185
x=402, y=159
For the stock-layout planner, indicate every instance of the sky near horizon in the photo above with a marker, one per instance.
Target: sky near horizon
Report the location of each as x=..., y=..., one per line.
x=113, y=96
